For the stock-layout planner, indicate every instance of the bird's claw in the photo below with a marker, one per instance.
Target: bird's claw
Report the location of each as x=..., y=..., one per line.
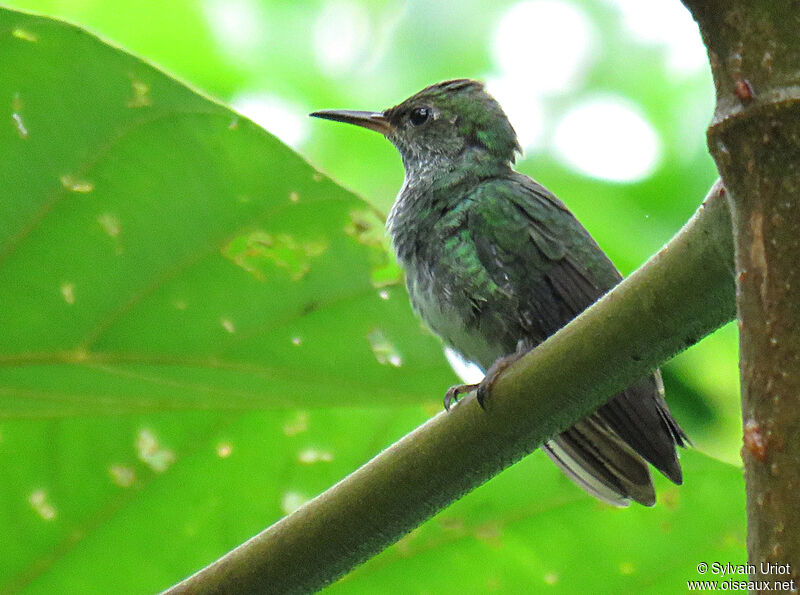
x=484, y=388
x=454, y=393
x=481, y=391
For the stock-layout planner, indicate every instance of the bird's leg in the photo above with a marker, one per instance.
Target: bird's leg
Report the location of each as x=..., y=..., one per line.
x=497, y=369
x=484, y=387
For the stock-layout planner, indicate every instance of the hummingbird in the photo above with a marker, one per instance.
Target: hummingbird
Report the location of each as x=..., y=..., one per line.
x=495, y=264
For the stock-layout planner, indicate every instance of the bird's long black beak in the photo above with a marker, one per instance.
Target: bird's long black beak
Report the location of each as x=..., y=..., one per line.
x=373, y=120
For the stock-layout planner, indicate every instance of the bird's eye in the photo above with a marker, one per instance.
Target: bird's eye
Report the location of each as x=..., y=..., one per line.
x=419, y=115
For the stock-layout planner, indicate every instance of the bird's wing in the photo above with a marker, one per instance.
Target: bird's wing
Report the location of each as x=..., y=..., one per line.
x=535, y=249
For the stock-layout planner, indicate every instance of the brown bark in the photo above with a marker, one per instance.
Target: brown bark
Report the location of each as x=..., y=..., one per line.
x=754, y=51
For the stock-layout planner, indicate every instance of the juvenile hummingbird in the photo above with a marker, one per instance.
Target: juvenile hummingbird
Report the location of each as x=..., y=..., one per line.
x=495, y=264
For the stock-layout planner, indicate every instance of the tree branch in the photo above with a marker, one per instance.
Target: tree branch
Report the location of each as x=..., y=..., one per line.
x=754, y=50
x=681, y=294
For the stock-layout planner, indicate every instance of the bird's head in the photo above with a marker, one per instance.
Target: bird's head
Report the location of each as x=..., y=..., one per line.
x=442, y=122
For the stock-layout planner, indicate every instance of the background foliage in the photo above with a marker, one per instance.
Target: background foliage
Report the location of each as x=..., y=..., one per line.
x=200, y=332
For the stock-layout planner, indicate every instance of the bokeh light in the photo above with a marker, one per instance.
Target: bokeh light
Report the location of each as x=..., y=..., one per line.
x=540, y=48
x=607, y=138
x=546, y=42
x=522, y=105
x=341, y=32
x=668, y=23
x=283, y=119
x=238, y=25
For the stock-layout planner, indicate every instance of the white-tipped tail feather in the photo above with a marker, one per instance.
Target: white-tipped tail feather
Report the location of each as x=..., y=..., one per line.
x=583, y=478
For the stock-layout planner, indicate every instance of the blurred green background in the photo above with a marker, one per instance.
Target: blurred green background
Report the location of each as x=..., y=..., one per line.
x=610, y=98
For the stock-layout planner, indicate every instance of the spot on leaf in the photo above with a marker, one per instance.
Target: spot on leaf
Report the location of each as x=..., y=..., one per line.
x=296, y=425
x=151, y=453
x=259, y=251
x=383, y=349
x=140, y=94
x=551, y=578
x=25, y=35
x=110, y=224
x=19, y=125
x=113, y=228
x=68, y=292
x=41, y=505
x=122, y=475
x=16, y=116
x=75, y=185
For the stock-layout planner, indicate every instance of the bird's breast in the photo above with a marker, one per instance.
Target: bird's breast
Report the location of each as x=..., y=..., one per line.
x=460, y=309
x=449, y=287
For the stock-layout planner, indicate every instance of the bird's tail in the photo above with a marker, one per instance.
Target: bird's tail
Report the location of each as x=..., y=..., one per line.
x=607, y=453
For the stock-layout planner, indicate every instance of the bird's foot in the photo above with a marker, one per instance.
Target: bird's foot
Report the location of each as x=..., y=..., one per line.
x=454, y=393
x=497, y=369
x=483, y=388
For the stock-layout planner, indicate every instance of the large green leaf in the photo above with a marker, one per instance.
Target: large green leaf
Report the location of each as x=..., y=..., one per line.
x=157, y=251
x=278, y=52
